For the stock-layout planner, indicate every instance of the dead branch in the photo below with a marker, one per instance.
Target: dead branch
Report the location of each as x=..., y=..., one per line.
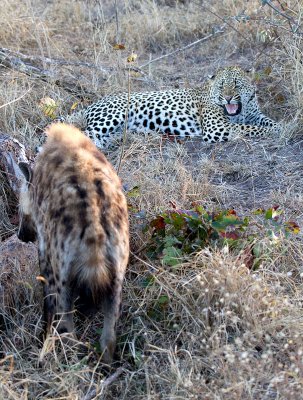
x=293, y=24
x=108, y=381
x=22, y=63
x=204, y=39
x=11, y=153
x=14, y=100
x=25, y=58
x=29, y=65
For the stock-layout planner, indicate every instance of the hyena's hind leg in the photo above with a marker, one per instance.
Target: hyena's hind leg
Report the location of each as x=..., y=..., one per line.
x=49, y=297
x=65, y=308
x=57, y=318
x=111, y=308
x=85, y=303
x=58, y=304
x=58, y=311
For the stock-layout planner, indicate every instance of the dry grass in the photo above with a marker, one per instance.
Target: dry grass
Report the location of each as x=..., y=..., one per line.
x=208, y=328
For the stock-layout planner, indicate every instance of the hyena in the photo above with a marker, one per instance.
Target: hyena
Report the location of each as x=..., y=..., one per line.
x=72, y=201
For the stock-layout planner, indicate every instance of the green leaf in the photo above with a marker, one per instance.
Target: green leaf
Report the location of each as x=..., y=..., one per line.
x=163, y=300
x=170, y=240
x=177, y=220
x=273, y=213
x=268, y=213
x=258, y=211
x=257, y=250
x=148, y=281
x=134, y=192
x=178, y=232
x=226, y=221
x=201, y=210
x=171, y=256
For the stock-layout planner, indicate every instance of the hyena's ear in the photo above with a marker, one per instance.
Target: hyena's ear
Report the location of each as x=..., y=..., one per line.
x=26, y=170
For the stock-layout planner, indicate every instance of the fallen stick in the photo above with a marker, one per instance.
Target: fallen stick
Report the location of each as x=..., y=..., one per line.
x=20, y=62
x=11, y=153
x=108, y=381
x=7, y=54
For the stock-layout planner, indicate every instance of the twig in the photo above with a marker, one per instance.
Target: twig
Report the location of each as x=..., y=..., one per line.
x=19, y=62
x=108, y=381
x=284, y=15
x=9, y=59
x=236, y=30
x=146, y=77
x=117, y=23
x=294, y=29
x=125, y=123
x=204, y=39
x=4, y=52
x=90, y=395
x=227, y=23
x=17, y=99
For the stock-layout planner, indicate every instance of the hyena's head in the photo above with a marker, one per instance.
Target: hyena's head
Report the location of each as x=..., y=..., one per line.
x=27, y=230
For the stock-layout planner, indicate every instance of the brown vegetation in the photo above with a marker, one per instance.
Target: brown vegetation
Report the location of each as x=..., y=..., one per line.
x=208, y=328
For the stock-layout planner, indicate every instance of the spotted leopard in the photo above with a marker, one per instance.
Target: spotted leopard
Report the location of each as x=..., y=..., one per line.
x=226, y=106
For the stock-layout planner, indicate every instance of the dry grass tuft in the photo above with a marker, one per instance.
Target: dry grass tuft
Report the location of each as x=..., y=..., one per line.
x=209, y=328
x=223, y=331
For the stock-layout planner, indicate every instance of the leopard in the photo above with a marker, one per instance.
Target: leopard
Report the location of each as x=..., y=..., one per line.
x=223, y=108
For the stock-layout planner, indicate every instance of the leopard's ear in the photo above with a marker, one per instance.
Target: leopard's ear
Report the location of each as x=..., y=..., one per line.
x=26, y=171
x=251, y=75
x=250, y=71
x=211, y=76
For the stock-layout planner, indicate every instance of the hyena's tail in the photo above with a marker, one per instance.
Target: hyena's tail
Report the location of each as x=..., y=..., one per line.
x=95, y=273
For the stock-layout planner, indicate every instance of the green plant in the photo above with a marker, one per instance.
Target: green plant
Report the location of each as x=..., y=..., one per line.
x=176, y=233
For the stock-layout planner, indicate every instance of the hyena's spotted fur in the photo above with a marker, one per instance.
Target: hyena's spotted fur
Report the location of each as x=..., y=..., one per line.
x=73, y=202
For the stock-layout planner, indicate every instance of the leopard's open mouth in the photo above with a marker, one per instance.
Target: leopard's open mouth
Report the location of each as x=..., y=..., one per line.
x=232, y=109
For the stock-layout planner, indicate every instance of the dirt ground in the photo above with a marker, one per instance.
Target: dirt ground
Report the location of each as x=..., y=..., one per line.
x=209, y=327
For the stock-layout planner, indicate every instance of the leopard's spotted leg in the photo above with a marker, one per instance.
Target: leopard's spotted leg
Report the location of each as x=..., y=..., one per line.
x=217, y=128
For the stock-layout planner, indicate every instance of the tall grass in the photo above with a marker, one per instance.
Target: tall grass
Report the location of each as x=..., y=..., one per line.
x=209, y=328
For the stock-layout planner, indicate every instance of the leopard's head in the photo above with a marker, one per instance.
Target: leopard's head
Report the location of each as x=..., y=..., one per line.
x=231, y=89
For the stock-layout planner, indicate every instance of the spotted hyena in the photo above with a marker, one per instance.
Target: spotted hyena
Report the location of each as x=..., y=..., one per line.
x=73, y=203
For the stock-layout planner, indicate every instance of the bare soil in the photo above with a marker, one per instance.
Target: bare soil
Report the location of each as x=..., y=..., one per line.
x=209, y=328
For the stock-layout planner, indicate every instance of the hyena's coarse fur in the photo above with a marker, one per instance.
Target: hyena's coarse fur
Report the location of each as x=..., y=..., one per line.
x=73, y=202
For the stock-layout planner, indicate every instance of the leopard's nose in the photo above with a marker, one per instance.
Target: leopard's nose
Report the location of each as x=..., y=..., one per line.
x=228, y=98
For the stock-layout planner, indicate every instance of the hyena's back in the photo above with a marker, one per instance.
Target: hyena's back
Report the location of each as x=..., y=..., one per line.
x=81, y=205
x=80, y=215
